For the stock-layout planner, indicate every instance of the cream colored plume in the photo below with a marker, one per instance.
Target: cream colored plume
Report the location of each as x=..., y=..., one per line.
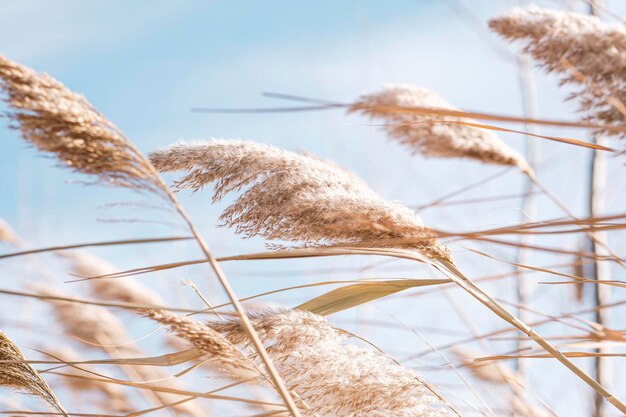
x=558, y=40
x=59, y=121
x=125, y=289
x=16, y=373
x=331, y=376
x=434, y=135
x=295, y=198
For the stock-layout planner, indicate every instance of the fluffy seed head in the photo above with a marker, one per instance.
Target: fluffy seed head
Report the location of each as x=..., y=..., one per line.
x=595, y=48
x=16, y=373
x=434, y=135
x=63, y=123
x=296, y=198
x=124, y=289
x=222, y=354
x=332, y=377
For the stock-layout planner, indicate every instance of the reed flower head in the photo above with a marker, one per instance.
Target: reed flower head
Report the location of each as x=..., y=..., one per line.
x=63, y=123
x=296, y=198
x=597, y=50
x=221, y=353
x=434, y=135
x=332, y=377
x=124, y=289
x=16, y=373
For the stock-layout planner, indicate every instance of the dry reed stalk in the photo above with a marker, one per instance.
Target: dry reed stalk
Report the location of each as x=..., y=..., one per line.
x=111, y=396
x=16, y=373
x=595, y=49
x=333, y=377
x=433, y=135
x=97, y=327
x=295, y=197
x=56, y=120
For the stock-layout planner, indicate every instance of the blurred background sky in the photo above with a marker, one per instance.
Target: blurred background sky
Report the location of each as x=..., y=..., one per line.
x=144, y=65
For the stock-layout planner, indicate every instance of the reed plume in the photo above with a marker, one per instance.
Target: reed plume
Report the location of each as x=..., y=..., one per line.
x=332, y=377
x=435, y=135
x=7, y=234
x=295, y=197
x=58, y=121
x=16, y=373
x=220, y=353
x=125, y=289
x=595, y=49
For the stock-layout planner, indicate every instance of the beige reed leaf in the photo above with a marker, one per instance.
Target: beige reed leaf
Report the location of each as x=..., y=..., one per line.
x=435, y=135
x=16, y=373
x=295, y=198
x=63, y=123
x=583, y=50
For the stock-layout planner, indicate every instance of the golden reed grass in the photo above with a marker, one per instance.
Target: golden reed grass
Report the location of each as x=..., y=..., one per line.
x=583, y=50
x=16, y=373
x=295, y=197
x=58, y=121
x=434, y=135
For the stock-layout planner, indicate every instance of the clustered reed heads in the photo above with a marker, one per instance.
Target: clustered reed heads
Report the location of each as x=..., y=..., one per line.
x=220, y=353
x=16, y=373
x=332, y=377
x=296, y=198
x=63, y=123
x=434, y=135
x=596, y=50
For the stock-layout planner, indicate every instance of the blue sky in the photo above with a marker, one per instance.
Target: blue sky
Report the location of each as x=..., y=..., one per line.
x=145, y=64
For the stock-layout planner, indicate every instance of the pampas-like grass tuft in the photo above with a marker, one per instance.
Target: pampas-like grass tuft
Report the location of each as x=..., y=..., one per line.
x=332, y=377
x=594, y=48
x=434, y=135
x=16, y=373
x=59, y=121
x=295, y=197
